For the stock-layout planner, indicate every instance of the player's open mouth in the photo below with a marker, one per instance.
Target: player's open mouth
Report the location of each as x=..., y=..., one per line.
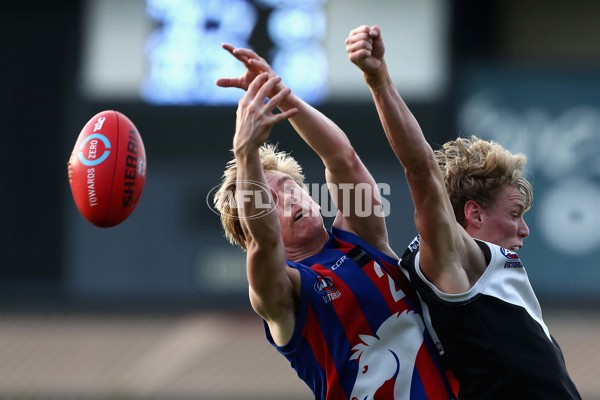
x=298, y=215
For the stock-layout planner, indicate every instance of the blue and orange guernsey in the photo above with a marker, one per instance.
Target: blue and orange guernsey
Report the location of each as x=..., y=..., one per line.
x=359, y=331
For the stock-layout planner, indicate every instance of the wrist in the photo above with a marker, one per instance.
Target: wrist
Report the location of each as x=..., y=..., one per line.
x=244, y=151
x=290, y=101
x=378, y=80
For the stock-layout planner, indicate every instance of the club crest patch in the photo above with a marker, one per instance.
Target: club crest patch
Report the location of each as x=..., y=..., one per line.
x=324, y=285
x=512, y=258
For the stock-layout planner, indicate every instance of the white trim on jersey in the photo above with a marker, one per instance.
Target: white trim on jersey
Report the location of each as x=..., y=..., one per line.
x=504, y=278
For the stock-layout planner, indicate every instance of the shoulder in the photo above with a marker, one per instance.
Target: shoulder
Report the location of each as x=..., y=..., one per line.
x=381, y=251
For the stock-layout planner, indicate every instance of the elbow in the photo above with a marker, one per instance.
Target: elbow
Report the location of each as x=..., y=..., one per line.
x=422, y=169
x=343, y=160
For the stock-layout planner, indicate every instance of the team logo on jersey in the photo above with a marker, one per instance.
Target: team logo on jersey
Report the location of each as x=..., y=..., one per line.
x=324, y=285
x=414, y=245
x=513, y=260
x=511, y=255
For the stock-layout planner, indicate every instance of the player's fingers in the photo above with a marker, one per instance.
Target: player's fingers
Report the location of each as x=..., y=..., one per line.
x=235, y=52
x=357, y=38
x=228, y=47
x=256, y=85
x=284, y=115
x=360, y=29
x=360, y=46
x=228, y=82
x=261, y=64
x=276, y=100
x=359, y=51
x=268, y=86
x=247, y=53
x=375, y=31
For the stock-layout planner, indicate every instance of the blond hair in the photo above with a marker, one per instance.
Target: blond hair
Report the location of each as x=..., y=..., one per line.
x=271, y=160
x=476, y=169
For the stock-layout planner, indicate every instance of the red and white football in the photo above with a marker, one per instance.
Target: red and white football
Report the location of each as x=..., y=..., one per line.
x=107, y=169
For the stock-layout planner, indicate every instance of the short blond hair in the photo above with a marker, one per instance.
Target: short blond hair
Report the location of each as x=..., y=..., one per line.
x=271, y=160
x=477, y=169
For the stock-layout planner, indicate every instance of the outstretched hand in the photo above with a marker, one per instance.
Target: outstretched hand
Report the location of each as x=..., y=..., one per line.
x=255, y=65
x=365, y=49
x=255, y=117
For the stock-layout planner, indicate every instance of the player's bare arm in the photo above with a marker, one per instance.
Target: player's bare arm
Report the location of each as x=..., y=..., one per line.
x=271, y=287
x=344, y=169
x=440, y=234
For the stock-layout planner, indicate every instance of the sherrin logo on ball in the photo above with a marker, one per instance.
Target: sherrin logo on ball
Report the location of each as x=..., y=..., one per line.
x=107, y=169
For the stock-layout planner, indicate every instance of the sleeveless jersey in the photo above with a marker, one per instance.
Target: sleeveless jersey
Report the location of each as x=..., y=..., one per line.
x=359, y=332
x=493, y=337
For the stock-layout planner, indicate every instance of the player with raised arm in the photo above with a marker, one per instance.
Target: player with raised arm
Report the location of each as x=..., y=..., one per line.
x=470, y=197
x=333, y=301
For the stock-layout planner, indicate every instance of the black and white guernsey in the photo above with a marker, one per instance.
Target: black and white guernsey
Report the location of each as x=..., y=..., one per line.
x=493, y=336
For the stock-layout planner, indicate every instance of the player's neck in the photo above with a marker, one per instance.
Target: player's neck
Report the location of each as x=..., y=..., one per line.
x=307, y=248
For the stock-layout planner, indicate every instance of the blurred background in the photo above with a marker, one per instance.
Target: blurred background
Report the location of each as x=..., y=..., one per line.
x=157, y=308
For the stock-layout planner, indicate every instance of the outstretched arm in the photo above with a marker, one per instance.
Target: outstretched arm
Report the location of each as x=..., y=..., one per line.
x=271, y=287
x=443, y=242
x=344, y=169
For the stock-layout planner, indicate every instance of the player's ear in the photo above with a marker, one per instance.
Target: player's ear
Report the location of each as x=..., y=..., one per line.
x=473, y=213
